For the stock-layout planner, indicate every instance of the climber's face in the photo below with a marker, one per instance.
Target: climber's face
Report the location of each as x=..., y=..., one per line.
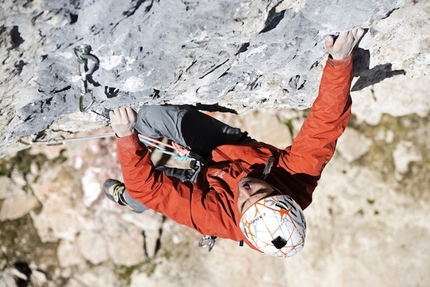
x=252, y=190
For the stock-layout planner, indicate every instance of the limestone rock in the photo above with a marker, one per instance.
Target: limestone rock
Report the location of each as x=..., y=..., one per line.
x=404, y=154
x=91, y=186
x=68, y=254
x=126, y=250
x=125, y=241
x=43, y=227
x=31, y=275
x=7, y=187
x=96, y=276
x=352, y=145
x=93, y=247
x=17, y=206
x=7, y=278
x=62, y=221
x=401, y=42
x=238, y=54
x=397, y=79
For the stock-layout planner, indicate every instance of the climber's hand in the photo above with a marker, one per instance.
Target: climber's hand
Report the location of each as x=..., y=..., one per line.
x=342, y=47
x=123, y=121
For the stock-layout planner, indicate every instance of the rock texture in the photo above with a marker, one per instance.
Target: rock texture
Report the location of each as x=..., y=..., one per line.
x=370, y=211
x=237, y=54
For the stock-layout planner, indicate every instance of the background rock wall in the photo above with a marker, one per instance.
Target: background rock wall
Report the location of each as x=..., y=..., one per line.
x=369, y=223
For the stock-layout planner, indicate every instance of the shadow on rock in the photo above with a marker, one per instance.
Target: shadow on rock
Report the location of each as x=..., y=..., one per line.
x=376, y=75
x=214, y=108
x=368, y=77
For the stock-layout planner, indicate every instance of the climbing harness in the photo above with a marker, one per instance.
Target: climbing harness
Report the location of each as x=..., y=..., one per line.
x=83, y=56
x=207, y=241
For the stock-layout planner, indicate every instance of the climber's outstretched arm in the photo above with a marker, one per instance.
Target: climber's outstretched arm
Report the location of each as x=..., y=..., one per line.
x=315, y=144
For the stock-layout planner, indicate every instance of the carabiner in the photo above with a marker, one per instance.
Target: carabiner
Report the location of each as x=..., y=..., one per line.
x=81, y=101
x=55, y=142
x=207, y=241
x=80, y=51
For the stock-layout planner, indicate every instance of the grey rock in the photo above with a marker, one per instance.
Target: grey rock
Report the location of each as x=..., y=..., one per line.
x=7, y=187
x=17, y=206
x=352, y=145
x=96, y=276
x=93, y=247
x=68, y=254
x=404, y=154
x=9, y=276
x=232, y=53
x=239, y=55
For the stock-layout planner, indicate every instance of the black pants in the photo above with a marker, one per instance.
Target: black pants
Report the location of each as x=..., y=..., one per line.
x=188, y=127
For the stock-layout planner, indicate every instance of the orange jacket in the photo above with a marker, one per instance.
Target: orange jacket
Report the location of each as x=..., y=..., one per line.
x=210, y=205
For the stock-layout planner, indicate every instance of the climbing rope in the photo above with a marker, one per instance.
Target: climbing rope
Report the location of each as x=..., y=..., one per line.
x=160, y=146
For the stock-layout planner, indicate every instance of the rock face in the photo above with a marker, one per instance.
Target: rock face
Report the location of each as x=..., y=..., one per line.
x=372, y=199
x=237, y=54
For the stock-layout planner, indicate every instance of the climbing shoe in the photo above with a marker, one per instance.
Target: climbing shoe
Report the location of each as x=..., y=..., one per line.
x=115, y=191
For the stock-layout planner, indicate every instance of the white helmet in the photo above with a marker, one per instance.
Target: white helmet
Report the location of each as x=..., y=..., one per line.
x=275, y=225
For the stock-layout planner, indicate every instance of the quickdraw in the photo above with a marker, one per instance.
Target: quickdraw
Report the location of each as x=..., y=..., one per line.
x=82, y=53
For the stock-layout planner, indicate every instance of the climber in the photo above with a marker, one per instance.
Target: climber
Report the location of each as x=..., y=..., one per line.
x=247, y=191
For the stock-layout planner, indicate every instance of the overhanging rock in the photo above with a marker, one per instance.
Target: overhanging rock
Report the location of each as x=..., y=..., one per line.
x=236, y=54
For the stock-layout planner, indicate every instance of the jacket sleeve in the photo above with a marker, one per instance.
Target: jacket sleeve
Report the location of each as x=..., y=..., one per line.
x=152, y=187
x=315, y=143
